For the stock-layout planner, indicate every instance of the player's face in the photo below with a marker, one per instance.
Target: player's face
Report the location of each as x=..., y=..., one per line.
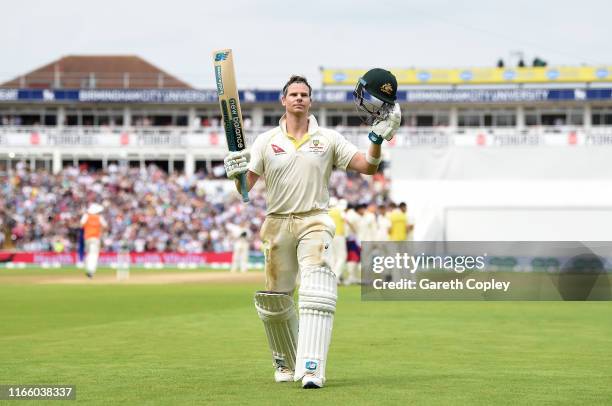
x=297, y=100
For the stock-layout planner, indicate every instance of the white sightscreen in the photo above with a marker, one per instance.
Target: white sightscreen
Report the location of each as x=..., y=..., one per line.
x=510, y=193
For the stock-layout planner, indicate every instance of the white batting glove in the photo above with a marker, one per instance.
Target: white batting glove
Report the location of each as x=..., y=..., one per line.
x=386, y=128
x=236, y=163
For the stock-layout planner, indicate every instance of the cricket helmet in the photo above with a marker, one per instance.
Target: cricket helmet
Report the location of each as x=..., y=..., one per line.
x=375, y=94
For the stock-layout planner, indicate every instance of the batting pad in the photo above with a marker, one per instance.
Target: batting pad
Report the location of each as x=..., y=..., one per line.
x=277, y=311
x=317, y=302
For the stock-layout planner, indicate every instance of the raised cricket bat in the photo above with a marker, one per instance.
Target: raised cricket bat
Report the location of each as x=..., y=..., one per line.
x=227, y=91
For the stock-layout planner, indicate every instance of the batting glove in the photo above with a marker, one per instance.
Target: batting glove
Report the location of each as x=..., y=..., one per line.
x=387, y=127
x=236, y=163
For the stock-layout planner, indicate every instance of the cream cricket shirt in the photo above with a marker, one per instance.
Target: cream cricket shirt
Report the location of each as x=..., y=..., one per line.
x=297, y=172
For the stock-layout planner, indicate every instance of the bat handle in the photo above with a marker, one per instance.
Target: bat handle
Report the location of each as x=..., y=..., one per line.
x=243, y=188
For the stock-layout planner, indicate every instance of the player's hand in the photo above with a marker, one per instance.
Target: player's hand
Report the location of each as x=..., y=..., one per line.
x=387, y=127
x=236, y=163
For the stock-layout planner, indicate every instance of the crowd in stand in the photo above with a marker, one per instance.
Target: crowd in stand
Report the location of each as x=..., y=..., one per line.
x=145, y=208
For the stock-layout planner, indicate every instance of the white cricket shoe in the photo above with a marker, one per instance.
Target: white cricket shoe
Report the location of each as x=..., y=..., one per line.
x=283, y=374
x=310, y=381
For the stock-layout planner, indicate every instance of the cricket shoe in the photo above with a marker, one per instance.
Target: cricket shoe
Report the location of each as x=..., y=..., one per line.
x=310, y=381
x=283, y=374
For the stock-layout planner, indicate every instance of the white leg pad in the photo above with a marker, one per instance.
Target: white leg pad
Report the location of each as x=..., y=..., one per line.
x=317, y=303
x=277, y=311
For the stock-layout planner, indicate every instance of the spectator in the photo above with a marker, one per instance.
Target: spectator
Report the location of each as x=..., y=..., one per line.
x=151, y=209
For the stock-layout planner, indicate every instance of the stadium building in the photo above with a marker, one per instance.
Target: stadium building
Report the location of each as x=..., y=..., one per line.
x=474, y=143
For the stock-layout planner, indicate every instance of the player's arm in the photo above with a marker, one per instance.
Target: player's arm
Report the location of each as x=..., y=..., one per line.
x=251, y=178
x=366, y=163
x=381, y=130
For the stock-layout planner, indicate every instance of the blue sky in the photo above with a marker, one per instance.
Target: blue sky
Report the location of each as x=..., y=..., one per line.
x=273, y=39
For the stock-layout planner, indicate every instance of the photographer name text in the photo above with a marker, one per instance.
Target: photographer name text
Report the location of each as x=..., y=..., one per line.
x=454, y=284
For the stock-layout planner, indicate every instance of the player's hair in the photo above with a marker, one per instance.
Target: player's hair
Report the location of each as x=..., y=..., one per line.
x=297, y=79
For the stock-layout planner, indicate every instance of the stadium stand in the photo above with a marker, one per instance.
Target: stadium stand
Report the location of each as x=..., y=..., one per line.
x=150, y=209
x=117, y=115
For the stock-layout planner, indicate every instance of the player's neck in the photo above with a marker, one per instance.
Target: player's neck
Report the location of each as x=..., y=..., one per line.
x=297, y=125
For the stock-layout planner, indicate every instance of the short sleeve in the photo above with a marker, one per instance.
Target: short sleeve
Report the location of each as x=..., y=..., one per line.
x=344, y=151
x=256, y=165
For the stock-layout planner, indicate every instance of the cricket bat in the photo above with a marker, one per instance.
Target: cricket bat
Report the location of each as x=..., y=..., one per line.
x=227, y=91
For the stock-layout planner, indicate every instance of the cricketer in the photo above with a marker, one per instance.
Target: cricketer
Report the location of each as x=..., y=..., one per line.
x=296, y=160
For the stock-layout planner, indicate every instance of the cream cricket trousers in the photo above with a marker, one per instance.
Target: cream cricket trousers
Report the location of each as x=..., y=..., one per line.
x=339, y=255
x=240, y=256
x=292, y=242
x=92, y=247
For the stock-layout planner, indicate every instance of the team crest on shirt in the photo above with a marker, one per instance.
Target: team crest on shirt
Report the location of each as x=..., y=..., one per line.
x=277, y=150
x=317, y=145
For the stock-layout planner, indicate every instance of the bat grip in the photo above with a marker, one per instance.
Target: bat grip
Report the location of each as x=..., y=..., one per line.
x=243, y=188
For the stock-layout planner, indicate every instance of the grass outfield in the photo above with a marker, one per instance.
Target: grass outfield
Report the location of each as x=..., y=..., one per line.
x=203, y=343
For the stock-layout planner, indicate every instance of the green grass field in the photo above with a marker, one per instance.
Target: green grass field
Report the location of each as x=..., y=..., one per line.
x=203, y=343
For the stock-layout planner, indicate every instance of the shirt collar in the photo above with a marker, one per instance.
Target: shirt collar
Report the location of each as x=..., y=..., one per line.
x=313, y=127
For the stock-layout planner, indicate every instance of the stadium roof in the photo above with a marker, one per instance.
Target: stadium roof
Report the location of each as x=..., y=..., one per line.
x=97, y=72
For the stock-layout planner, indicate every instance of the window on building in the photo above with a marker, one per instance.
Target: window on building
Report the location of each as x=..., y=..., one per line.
x=575, y=117
x=206, y=118
x=553, y=119
x=182, y=121
x=426, y=118
x=72, y=119
x=531, y=118
x=50, y=119
x=335, y=120
x=30, y=119
x=109, y=119
x=272, y=117
x=424, y=121
x=88, y=120
x=601, y=116
x=505, y=120
x=354, y=121
x=469, y=119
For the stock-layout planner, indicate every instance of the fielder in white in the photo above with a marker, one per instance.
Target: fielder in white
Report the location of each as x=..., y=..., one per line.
x=353, y=245
x=368, y=227
x=337, y=213
x=240, y=254
x=296, y=160
x=383, y=224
